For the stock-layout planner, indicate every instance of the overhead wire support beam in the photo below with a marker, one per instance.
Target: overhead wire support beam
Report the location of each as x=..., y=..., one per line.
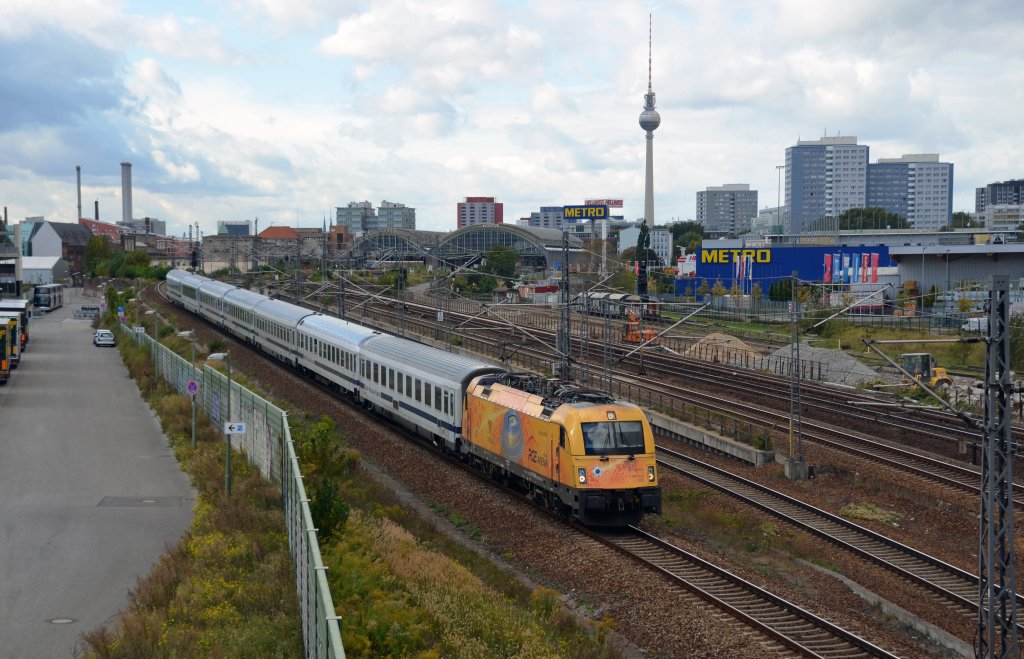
x=997, y=581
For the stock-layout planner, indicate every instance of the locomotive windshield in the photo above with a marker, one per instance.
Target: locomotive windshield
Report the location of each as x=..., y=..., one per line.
x=613, y=438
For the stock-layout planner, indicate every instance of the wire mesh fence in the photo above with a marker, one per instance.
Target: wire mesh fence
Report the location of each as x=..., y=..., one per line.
x=267, y=444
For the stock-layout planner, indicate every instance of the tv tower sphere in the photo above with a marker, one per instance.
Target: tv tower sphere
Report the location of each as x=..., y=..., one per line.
x=650, y=119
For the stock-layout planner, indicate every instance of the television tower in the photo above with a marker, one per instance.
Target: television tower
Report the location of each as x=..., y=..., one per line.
x=649, y=121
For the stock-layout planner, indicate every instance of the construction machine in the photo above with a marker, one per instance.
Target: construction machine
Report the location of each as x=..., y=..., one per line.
x=922, y=366
x=635, y=335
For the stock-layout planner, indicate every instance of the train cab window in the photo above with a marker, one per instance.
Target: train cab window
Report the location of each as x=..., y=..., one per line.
x=437, y=398
x=613, y=437
x=418, y=396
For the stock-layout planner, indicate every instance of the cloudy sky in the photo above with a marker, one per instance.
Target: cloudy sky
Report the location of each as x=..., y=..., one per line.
x=284, y=109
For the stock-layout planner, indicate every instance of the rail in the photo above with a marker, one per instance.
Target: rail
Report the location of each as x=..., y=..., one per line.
x=268, y=445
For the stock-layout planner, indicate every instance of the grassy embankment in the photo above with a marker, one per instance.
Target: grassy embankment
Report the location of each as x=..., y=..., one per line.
x=401, y=587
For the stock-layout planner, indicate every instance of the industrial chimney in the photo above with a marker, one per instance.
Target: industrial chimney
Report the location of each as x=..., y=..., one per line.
x=78, y=176
x=126, y=192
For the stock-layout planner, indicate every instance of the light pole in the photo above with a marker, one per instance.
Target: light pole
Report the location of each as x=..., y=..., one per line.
x=949, y=300
x=191, y=334
x=226, y=356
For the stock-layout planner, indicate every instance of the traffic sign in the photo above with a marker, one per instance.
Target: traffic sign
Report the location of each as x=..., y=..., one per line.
x=193, y=387
x=234, y=428
x=120, y=311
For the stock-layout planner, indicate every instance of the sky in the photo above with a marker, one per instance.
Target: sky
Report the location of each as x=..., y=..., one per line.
x=282, y=110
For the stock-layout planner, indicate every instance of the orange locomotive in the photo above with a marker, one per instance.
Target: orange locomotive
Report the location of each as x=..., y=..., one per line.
x=576, y=450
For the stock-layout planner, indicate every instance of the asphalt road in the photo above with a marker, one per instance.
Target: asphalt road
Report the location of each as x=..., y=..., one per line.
x=90, y=492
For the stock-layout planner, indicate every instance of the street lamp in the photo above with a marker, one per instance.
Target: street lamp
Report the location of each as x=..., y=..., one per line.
x=226, y=357
x=191, y=334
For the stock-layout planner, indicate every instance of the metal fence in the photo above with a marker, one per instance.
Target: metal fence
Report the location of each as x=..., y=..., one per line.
x=268, y=445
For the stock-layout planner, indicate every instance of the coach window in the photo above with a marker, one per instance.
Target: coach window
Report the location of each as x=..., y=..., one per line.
x=437, y=398
x=376, y=374
x=401, y=379
x=446, y=401
x=408, y=386
x=391, y=379
x=426, y=394
x=418, y=397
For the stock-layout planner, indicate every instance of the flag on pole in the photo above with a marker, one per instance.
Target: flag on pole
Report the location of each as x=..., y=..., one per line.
x=828, y=268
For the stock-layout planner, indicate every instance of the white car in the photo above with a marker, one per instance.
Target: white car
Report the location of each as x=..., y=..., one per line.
x=104, y=338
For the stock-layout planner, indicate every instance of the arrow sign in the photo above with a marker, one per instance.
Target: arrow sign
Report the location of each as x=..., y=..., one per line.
x=234, y=428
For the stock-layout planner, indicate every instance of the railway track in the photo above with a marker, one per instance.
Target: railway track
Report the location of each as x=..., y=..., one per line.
x=948, y=582
x=788, y=624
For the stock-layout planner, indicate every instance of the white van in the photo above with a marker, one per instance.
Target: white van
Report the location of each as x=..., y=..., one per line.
x=979, y=324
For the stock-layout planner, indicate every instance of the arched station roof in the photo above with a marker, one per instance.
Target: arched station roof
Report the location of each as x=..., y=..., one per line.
x=536, y=246
x=396, y=245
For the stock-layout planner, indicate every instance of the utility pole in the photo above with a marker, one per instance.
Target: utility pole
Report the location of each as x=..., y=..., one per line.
x=795, y=466
x=997, y=581
x=564, y=340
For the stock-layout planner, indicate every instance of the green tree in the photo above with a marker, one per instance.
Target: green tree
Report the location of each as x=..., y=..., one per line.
x=703, y=289
x=98, y=249
x=687, y=234
x=719, y=289
x=501, y=261
x=862, y=219
x=756, y=293
x=962, y=220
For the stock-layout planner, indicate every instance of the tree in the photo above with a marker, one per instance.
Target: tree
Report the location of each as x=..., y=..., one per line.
x=643, y=251
x=703, y=289
x=686, y=234
x=862, y=219
x=96, y=250
x=501, y=261
x=962, y=220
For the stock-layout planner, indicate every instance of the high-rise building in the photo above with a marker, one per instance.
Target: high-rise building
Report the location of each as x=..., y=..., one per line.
x=1002, y=193
x=824, y=178
x=479, y=210
x=726, y=210
x=916, y=186
x=548, y=217
x=392, y=215
x=356, y=216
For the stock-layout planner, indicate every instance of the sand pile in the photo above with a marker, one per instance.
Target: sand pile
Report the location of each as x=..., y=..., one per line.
x=721, y=348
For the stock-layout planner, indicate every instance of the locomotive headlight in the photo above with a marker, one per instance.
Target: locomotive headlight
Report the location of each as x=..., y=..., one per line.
x=650, y=473
x=583, y=476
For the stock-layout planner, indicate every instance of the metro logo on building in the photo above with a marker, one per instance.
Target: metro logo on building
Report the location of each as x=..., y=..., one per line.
x=582, y=213
x=735, y=255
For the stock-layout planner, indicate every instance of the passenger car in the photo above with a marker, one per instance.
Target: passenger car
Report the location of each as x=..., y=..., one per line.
x=104, y=337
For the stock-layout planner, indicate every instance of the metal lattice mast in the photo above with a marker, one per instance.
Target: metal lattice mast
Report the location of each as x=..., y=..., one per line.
x=997, y=581
x=795, y=408
x=565, y=328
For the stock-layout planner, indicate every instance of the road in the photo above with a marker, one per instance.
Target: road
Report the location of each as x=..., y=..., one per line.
x=90, y=492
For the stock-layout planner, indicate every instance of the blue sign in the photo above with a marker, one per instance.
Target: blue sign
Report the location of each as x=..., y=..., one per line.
x=120, y=311
x=193, y=387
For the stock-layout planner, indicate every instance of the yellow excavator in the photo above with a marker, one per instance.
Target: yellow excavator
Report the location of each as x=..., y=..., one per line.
x=922, y=366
